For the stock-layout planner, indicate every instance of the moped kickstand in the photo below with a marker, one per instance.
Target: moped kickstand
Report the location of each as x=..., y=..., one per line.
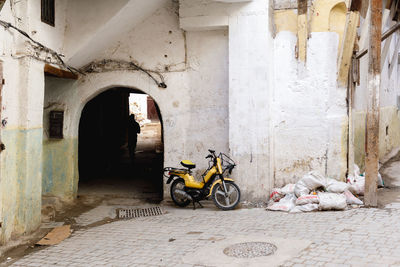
x=194, y=205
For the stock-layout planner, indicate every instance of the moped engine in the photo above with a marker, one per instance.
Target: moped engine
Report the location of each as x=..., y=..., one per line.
x=195, y=194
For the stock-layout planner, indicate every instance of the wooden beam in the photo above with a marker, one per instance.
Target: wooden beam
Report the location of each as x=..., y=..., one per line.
x=372, y=128
x=302, y=29
x=2, y=4
x=56, y=72
x=356, y=5
x=385, y=35
x=347, y=48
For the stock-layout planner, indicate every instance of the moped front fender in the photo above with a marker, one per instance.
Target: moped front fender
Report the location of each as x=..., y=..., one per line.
x=219, y=181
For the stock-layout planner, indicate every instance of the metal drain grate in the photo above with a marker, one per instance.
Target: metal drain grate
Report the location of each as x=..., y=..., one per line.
x=135, y=213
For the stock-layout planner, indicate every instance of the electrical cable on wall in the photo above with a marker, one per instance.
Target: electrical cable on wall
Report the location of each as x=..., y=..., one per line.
x=56, y=55
x=92, y=66
x=112, y=65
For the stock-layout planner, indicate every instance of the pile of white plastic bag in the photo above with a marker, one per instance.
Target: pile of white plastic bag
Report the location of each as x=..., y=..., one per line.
x=316, y=192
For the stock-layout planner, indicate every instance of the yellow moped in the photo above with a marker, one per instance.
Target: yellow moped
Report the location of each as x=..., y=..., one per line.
x=185, y=189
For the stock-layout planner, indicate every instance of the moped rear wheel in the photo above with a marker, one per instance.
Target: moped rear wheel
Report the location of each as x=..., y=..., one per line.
x=226, y=199
x=177, y=187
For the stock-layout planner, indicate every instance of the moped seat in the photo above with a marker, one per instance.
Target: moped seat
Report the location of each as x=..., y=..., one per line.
x=188, y=164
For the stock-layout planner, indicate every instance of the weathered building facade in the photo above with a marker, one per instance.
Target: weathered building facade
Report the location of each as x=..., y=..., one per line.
x=257, y=79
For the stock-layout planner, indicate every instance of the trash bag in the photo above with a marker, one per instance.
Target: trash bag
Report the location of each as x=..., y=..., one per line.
x=380, y=180
x=332, y=201
x=276, y=195
x=288, y=189
x=351, y=199
x=307, y=199
x=305, y=208
x=285, y=204
x=310, y=181
x=357, y=184
x=334, y=186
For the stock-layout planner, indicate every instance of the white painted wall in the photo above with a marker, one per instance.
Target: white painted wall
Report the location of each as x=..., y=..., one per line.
x=22, y=109
x=309, y=109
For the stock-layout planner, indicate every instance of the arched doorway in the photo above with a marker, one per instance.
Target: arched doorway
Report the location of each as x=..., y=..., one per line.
x=106, y=167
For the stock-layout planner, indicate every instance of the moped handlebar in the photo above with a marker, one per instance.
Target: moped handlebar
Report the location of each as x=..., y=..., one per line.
x=209, y=156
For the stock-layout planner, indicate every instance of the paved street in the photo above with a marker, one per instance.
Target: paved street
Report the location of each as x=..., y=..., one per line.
x=358, y=237
x=355, y=237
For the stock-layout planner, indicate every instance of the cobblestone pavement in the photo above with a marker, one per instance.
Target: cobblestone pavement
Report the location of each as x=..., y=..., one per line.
x=355, y=237
x=360, y=237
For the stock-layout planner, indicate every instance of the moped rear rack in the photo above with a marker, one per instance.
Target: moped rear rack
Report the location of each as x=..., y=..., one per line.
x=176, y=170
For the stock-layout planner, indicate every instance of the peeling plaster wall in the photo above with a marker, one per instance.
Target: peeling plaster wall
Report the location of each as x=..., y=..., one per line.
x=194, y=107
x=60, y=158
x=309, y=109
x=21, y=165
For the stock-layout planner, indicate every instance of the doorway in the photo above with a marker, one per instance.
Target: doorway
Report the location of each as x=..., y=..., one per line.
x=109, y=165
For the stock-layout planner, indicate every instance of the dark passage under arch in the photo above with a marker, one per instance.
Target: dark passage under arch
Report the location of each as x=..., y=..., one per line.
x=105, y=166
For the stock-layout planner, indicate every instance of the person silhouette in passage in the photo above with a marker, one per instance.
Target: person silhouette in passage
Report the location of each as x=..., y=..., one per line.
x=133, y=131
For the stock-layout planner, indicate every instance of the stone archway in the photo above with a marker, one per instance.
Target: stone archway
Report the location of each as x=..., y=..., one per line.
x=61, y=176
x=109, y=162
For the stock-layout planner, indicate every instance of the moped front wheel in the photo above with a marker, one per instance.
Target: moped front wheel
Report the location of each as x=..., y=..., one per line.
x=226, y=197
x=178, y=193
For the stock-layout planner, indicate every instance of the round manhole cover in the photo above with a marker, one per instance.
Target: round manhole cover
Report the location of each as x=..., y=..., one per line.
x=250, y=250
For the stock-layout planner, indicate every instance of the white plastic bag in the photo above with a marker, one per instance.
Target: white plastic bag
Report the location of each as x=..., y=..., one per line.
x=288, y=189
x=300, y=189
x=357, y=185
x=285, y=204
x=307, y=199
x=334, y=186
x=310, y=181
x=304, y=208
x=380, y=180
x=332, y=201
x=351, y=199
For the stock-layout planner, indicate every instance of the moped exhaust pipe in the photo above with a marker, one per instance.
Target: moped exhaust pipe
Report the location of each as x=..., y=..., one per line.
x=183, y=194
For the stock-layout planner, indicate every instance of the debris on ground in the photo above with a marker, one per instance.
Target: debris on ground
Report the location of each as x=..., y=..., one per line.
x=316, y=192
x=56, y=236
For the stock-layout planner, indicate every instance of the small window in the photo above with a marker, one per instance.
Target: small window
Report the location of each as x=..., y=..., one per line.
x=48, y=12
x=56, y=124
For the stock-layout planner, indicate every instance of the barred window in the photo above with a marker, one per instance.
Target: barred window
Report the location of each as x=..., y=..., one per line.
x=56, y=124
x=48, y=12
